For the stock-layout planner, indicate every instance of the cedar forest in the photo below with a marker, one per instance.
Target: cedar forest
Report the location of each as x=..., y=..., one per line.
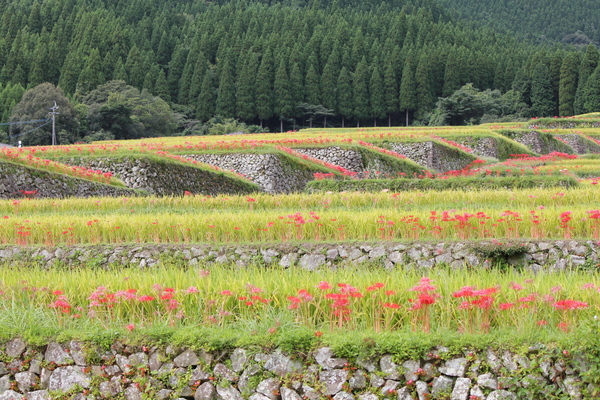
x=184, y=64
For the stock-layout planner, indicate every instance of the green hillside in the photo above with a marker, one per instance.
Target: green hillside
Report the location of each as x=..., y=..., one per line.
x=570, y=21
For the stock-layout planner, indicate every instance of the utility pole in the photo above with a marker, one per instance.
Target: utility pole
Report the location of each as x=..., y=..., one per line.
x=54, y=114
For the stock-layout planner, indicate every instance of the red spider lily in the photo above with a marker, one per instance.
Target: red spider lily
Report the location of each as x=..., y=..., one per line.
x=569, y=305
x=146, y=298
x=226, y=293
x=323, y=285
x=375, y=286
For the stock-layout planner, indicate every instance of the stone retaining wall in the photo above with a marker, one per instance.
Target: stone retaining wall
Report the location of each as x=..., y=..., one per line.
x=75, y=370
x=534, y=255
x=164, y=178
x=14, y=178
x=579, y=144
x=433, y=155
x=266, y=170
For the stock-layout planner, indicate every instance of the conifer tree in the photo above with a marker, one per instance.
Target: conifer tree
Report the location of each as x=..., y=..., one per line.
x=296, y=89
x=568, y=84
x=161, y=88
x=390, y=89
x=592, y=92
x=205, y=104
x=283, y=96
x=245, y=100
x=226, y=92
x=119, y=72
x=135, y=68
x=408, y=87
x=264, y=87
x=312, y=92
x=344, y=100
x=360, y=90
x=587, y=67
x=542, y=95
x=376, y=94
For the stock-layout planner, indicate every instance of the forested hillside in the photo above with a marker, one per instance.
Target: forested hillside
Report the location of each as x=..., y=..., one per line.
x=570, y=21
x=278, y=65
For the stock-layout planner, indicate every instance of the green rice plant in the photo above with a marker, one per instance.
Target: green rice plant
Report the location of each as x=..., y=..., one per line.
x=269, y=301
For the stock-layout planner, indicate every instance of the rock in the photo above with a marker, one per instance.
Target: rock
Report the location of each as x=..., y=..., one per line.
x=133, y=393
x=269, y=388
x=186, y=359
x=366, y=363
x=281, y=364
x=487, y=381
x=163, y=394
x=123, y=363
x=15, y=347
x=288, y=260
x=324, y=357
x=258, y=396
x=311, y=262
x=389, y=368
x=26, y=380
x=476, y=393
x=376, y=381
x=358, y=380
x=38, y=395
x=229, y=393
x=110, y=388
x=198, y=374
x=501, y=395
x=77, y=353
x=410, y=370
x=429, y=372
x=206, y=391
x=422, y=390
x=377, y=252
x=454, y=367
x=493, y=360
x=572, y=385
x=11, y=395
x=343, y=396
x=4, y=383
x=56, y=353
x=221, y=371
x=289, y=394
x=389, y=387
x=138, y=359
x=404, y=394
x=155, y=361
x=238, y=360
x=508, y=361
x=442, y=386
x=367, y=396
x=461, y=389
x=65, y=378
x=332, y=381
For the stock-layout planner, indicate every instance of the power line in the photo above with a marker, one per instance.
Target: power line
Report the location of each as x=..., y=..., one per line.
x=34, y=129
x=24, y=122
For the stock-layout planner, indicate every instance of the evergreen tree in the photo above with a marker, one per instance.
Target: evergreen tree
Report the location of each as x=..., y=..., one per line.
x=360, y=90
x=283, y=96
x=408, y=87
x=135, y=68
x=452, y=74
x=328, y=81
x=344, y=90
x=542, y=95
x=205, y=105
x=568, y=84
x=592, y=92
x=151, y=77
x=296, y=89
x=376, y=94
x=312, y=92
x=119, y=73
x=226, y=91
x=195, y=85
x=424, y=81
x=587, y=67
x=264, y=87
x=70, y=72
x=91, y=76
x=161, y=88
x=176, y=66
x=245, y=100
x=390, y=89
